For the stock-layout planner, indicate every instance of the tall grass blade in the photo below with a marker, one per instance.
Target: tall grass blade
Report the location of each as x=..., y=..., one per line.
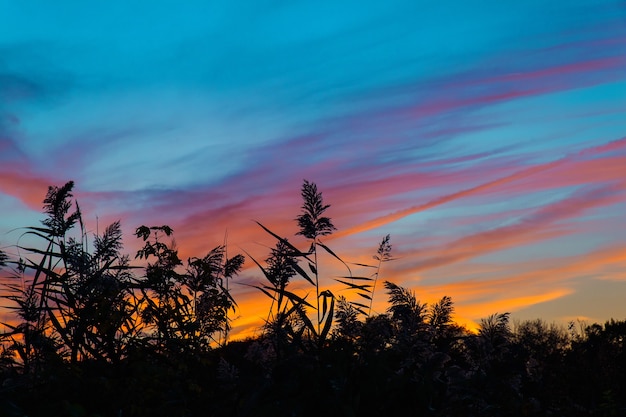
x=357, y=278
x=362, y=287
x=303, y=273
x=327, y=249
x=296, y=251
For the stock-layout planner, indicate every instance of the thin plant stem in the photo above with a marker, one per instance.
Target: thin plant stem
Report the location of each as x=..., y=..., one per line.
x=380, y=262
x=317, y=287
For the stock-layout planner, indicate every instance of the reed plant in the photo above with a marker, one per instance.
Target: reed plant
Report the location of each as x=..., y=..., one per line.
x=77, y=297
x=313, y=224
x=73, y=302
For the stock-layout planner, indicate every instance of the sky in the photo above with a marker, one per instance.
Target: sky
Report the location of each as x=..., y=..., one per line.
x=487, y=138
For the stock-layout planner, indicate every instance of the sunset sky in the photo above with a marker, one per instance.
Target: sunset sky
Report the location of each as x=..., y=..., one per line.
x=487, y=138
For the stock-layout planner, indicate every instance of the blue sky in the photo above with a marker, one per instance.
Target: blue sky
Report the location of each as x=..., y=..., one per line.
x=488, y=138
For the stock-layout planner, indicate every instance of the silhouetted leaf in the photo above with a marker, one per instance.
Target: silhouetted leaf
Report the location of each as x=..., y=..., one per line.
x=296, y=251
x=327, y=249
x=329, y=317
x=143, y=232
x=363, y=287
x=358, y=304
x=357, y=278
x=228, y=294
x=287, y=294
x=302, y=273
x=267, y=275
x=364, y=265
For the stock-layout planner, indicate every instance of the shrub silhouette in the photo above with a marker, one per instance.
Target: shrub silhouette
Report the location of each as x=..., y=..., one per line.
x=184, y=309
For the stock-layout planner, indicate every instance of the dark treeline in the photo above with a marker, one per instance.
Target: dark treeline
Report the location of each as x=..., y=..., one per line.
x=94, y=335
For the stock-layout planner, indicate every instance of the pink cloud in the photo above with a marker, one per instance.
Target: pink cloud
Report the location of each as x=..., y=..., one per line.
x=29, y=188
x=542, y=224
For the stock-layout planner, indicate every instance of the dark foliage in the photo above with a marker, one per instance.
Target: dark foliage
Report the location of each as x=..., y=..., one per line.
x=94, y=336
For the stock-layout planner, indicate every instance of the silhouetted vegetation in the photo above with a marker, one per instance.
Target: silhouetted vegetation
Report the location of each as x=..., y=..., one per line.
x=92, y=334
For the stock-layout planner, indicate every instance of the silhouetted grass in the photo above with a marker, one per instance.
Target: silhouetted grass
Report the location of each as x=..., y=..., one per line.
x=95, y=336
